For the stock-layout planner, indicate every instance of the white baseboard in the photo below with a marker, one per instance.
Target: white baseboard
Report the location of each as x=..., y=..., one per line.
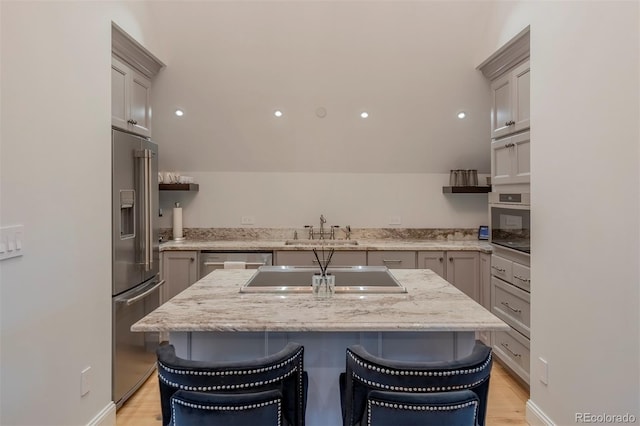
x=536, y=417
x=106, y=417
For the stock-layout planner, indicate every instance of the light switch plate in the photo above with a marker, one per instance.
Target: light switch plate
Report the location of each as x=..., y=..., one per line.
x=11, y=241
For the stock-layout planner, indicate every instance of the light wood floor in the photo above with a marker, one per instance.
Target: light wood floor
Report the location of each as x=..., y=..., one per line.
x=507, y=399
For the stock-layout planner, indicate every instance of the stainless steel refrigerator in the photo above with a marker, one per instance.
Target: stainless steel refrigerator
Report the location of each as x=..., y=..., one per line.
x=136, y=282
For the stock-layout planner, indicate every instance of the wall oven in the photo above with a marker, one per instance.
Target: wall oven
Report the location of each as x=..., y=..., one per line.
x=510, y=220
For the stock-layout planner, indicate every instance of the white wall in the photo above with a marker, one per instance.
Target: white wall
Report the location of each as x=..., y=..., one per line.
x=362, y=200
x=411, y=65
x=55, y=301
x=585, y=202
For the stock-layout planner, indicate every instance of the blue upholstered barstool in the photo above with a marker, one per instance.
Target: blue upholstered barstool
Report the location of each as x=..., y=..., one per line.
x=215, y=409
x=366, y=373
x=282, y=372
x=456, y=408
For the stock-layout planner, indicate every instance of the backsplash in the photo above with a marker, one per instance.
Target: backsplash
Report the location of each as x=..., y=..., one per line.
x=282, y=234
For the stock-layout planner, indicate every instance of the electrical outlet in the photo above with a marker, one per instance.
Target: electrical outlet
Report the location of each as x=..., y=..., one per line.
x=11, y=241
x=544, y=370
x=248, y=220
x=394, y=220
x=85, y=381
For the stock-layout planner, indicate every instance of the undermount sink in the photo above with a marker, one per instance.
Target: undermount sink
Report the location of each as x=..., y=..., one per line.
x=321, y=243
x=297, y=279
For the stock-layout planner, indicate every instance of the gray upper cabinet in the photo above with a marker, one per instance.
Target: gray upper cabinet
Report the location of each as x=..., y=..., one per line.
x=132, y=68
x=510, y=100
x=510, y=159
x=130, y=99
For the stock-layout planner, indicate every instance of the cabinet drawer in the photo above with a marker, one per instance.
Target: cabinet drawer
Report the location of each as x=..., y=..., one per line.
x=522, y=276
x=511, y=305
x=513, y=349
x=392, y=259
x=501, y=268
x=307, y=258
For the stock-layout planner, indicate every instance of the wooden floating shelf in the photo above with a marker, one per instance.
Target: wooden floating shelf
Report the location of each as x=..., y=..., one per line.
x=466, y=189
x=179, y=187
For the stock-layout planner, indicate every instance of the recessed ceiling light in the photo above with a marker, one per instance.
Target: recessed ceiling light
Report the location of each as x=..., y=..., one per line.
x=462, y=115
x=364, y=114
x=179, y=112
x=277, y=113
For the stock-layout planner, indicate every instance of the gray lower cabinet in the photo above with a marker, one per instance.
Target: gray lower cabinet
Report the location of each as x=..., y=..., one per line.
x=511, y=302
x=460, y=268
x=485, y=292
x=392, y=259
x=463, y=271
x=513, y=349
x=307, y=258
x=433, y=260
x=179, y=271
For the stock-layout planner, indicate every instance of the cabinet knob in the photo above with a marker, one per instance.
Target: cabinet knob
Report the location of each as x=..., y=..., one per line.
x=451, y=259
x=441, y=259
x=193, y=259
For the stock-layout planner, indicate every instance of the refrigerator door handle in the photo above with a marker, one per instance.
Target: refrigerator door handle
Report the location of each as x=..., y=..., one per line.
x=141, y=296
x=145, y=156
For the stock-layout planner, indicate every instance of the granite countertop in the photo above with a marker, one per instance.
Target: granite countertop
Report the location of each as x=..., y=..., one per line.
x=369, y=245
x=215, y=304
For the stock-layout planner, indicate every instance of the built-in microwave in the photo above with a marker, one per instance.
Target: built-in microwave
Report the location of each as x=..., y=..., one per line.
x=510, y=220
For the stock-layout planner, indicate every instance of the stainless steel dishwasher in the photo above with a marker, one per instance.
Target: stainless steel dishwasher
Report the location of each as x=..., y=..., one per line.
x=212, y=260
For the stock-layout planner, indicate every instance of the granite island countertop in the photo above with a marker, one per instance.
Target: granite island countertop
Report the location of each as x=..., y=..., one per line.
x=363, y=245
x=215, y=304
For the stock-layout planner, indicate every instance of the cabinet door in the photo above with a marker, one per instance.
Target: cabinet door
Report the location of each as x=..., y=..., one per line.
x=501, y=161
x=307, y=258
x=392, y=259
x=520, y=159
x=179, y=270
x=433, y=260
x=140, y=104
x=463, y=269
x=501, y=99
x=510, y=100
x=520, y=77
x=120, y=74
x=510, y=159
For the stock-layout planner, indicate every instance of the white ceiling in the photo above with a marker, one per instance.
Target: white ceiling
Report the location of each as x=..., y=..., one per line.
x=411, y=65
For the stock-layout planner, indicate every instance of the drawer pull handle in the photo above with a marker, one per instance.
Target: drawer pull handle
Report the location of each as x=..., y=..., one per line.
x=391, y=261
x=517, y=311
x=498, y=269
x=510, y=351
x=523, y=279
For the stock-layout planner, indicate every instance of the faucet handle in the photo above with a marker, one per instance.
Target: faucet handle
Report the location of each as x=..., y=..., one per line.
x=310, y=227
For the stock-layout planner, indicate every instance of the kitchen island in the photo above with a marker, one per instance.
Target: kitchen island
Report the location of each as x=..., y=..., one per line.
x=212, y=320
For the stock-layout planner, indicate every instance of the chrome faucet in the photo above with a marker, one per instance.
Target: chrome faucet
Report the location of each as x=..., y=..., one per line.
x=322, y=222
